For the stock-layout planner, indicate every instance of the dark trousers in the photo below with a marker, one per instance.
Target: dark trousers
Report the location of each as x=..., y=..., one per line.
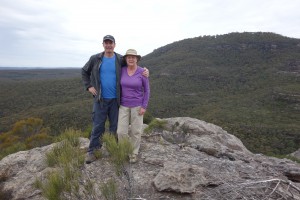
x=101, y=110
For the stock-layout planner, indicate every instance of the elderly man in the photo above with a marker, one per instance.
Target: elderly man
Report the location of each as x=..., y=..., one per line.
x=101, y=77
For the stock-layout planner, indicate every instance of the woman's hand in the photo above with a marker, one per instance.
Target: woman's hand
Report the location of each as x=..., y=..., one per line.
x=142, y=111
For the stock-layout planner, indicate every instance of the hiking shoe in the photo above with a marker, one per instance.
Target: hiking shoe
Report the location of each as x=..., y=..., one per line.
x=133, y=158
x=90, y=157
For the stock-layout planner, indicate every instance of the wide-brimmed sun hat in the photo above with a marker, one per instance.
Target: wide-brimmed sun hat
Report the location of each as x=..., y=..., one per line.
x=132, y=52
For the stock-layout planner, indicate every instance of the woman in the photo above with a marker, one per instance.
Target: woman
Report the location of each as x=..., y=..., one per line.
x=135, y=92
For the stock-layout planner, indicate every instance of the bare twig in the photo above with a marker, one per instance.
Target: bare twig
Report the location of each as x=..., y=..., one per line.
x=274, y=189
x=273, y=180
x=139, y=198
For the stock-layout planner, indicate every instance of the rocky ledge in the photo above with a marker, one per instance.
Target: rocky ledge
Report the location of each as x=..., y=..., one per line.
x=189, y=159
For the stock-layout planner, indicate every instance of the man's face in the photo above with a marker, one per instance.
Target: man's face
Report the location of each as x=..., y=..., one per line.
x=109, y=46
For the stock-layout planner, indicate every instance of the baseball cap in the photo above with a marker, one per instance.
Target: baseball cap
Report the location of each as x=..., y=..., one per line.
x=109, y=37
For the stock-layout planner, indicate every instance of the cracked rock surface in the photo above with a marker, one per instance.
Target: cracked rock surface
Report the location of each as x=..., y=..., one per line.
x=189, y=159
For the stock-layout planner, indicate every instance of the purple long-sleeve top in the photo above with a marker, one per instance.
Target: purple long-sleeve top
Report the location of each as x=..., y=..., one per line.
x=135, y=89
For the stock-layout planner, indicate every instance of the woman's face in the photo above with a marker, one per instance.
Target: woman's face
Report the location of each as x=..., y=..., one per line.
x=131, y=60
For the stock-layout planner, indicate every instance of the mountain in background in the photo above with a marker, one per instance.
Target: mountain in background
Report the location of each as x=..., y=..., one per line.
x=247, y=83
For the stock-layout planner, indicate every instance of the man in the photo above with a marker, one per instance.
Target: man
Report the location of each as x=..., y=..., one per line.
x=101, y=77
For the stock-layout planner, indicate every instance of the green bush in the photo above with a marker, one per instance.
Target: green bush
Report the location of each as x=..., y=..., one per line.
x=13, y=148
x=109, y=190
x=119, y=151
x=147, y=118
x=25, y=134
x=67, y=157
x=71, y=136
x=87, y=132
x=155, y=125
x=54, y=187
x=38, y=140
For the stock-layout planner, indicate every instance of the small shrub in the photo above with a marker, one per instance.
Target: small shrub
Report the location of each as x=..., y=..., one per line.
x=28, y=127
x=68, y=158
x=174, y=126
x=118, y=151
x=38, y=140
x=87, y=132
x=109, y=190
x=7, y=139
x=38, y=184
x=25, y=134
x=185, y=129
x=89, y=187
x=64, y=154
x=54, y=186
x=70, y=135
x=156, y=125
x=12, y=149
x=147, y=118
x=8, y=143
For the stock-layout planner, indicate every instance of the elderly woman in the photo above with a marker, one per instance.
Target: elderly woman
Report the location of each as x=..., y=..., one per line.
x=135, y=92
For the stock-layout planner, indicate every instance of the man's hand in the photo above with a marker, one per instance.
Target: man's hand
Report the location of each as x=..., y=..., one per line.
x=93, y=91
x=146, y=72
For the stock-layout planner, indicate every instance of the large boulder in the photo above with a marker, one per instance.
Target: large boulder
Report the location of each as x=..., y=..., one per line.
x=188, y=159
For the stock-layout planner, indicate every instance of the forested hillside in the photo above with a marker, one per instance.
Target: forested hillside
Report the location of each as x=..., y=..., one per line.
x=247, y=83
x=54, y=95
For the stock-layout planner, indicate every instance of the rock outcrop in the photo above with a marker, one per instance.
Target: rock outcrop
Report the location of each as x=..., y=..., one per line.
x=189, y=159
x=296, y=154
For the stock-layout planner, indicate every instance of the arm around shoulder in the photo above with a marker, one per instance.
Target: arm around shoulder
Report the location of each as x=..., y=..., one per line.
x=146, y=72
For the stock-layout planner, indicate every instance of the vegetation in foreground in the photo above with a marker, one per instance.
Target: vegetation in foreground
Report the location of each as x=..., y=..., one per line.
x=66, y=159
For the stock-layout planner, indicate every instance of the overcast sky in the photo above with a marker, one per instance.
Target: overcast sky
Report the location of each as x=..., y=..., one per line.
x=65, y=33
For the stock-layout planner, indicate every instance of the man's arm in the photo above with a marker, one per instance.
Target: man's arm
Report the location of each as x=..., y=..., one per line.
x=145, y=72
x=85, y=75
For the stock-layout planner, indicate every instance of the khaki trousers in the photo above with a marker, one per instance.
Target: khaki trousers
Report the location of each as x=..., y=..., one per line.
x=126, y=116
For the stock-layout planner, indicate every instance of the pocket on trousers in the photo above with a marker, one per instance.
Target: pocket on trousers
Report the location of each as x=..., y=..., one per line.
x=138, y=109
x=93, y=116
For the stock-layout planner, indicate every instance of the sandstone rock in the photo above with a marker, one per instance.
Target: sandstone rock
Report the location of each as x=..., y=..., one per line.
x=179, y=177
x=190, y=160
x=22, y=169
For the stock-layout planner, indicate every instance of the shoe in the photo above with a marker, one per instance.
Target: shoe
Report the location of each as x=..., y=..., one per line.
x=90, y=157
x=133, y=158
